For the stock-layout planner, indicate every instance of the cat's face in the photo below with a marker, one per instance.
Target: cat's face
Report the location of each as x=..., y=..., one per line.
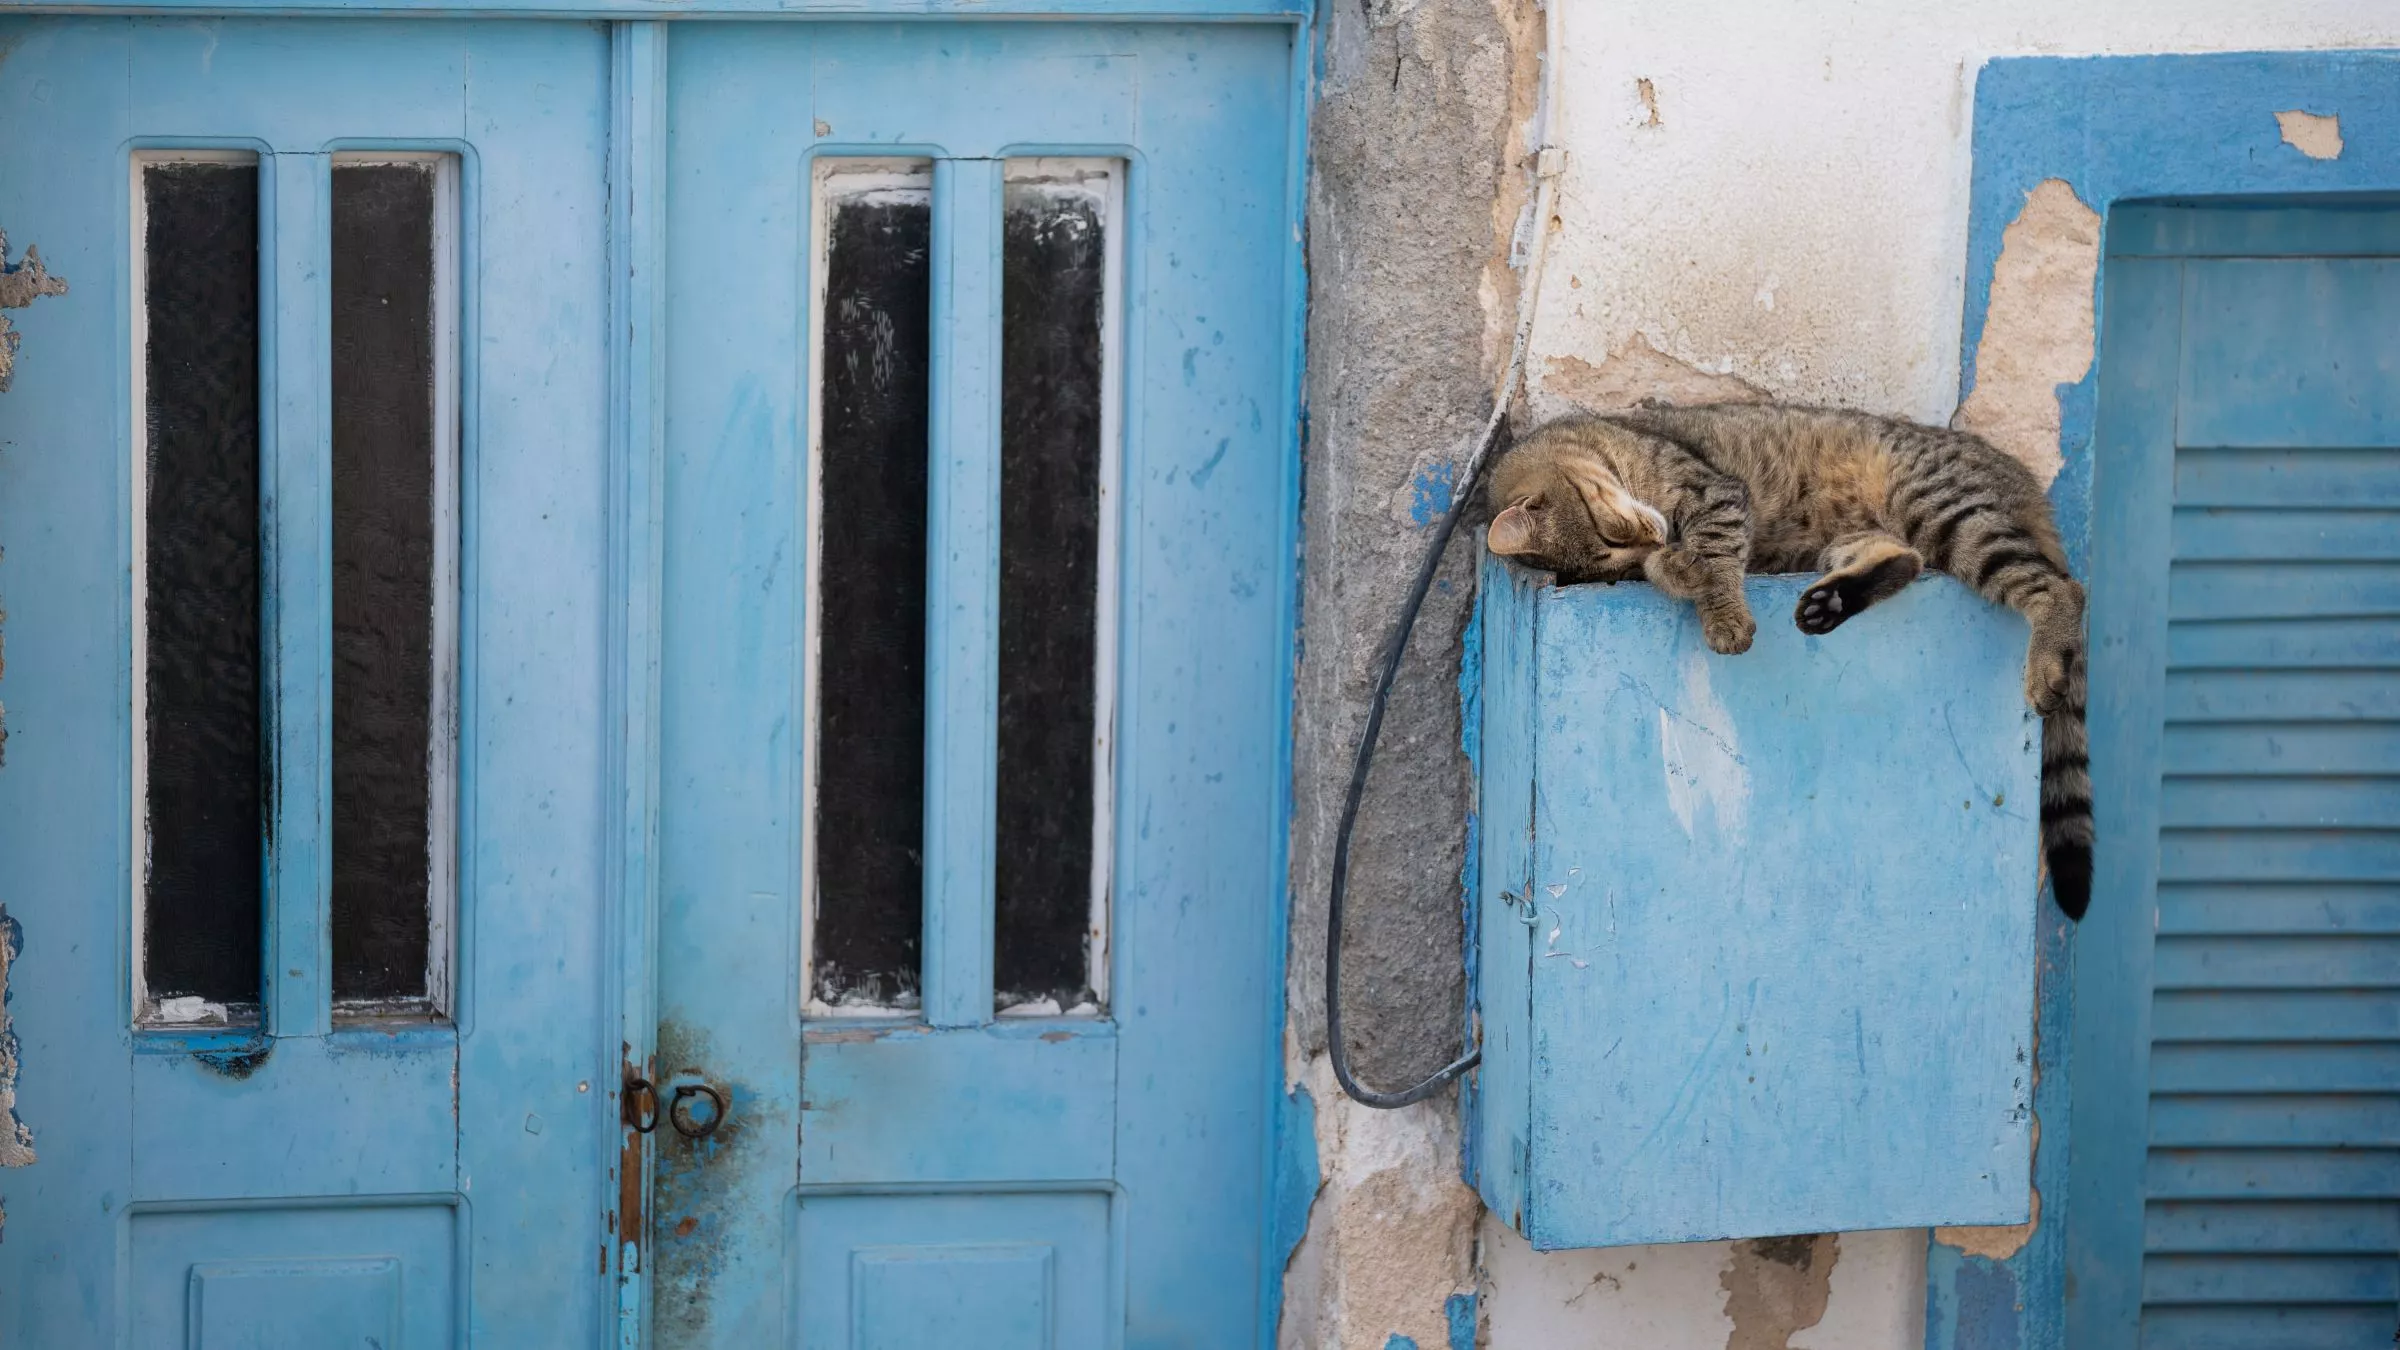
x=1573, y=517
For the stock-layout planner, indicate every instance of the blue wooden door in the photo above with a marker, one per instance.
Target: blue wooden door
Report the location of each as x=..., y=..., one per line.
x=303, y=501
x=994, y=1071
x=2236, y=1155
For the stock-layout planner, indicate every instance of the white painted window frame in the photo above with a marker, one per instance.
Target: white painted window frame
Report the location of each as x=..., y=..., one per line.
x=832, y=177
x=442, y=751
x=190, y=1012
x=1109, y=173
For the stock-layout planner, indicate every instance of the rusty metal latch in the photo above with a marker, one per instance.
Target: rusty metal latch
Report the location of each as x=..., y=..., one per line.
x=640, y=1105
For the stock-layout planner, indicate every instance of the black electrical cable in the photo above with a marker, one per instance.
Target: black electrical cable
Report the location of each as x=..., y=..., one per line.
x=1394, y=648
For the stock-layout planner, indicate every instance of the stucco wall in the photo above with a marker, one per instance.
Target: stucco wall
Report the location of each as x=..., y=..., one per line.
x=1762, y=199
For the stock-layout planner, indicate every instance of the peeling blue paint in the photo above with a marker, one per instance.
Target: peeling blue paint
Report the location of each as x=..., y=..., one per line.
x=1296, y=1174
x=1987, y=1306
x=1461, y=1311
x=1433, y=489
x=1400, y=1342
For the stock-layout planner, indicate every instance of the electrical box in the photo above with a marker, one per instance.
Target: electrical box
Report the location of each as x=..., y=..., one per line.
x=1755, y=933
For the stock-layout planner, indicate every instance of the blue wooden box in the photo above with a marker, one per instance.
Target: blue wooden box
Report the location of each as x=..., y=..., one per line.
x=1755, y=933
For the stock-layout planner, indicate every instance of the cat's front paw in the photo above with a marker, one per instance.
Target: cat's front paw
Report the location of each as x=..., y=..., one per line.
x=1729, y=634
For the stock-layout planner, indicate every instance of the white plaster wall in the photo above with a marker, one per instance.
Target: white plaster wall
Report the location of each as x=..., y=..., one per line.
x=1797, y=217
x=1794, y=217
x=1674, y=1298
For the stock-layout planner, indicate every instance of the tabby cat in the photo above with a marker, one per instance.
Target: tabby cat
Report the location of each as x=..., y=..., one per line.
x=1692, y=498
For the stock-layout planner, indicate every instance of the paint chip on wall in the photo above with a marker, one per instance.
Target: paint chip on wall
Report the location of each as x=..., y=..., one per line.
x=2314, y=135
x=21, y=284
x=16, y=1141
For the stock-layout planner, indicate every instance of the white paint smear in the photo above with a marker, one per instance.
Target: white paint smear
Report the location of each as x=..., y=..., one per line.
x=1701, y=759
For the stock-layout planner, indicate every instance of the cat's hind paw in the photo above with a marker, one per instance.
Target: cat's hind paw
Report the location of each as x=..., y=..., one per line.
x=1822, y=608
x=1838, y=596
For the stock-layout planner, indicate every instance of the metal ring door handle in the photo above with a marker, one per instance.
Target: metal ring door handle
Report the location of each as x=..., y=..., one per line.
x=640, y=1106
x=679, y=1114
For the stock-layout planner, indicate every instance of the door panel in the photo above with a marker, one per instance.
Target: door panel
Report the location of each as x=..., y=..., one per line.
x=1093, y=1177
x=285, y=1168
x=2237, y=1066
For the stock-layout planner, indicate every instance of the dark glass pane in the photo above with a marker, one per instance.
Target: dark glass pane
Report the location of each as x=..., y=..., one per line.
x=383, y=576
x=200, y=933
x=1053, y=279
x=871, y=596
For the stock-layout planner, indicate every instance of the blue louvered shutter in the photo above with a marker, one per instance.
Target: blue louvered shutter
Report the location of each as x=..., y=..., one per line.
x=2262, y=1154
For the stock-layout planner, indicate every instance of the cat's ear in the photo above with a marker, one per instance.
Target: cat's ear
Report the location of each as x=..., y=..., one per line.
x=1620, y=516
x=1511, y=534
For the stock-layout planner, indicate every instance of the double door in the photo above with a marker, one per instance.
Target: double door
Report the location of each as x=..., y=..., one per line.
x=645, y=682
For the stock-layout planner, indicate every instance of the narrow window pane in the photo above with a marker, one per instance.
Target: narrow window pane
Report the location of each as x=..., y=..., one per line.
x=1053, y=448
x=199, y=761
x=868, y=836
x=387, y=443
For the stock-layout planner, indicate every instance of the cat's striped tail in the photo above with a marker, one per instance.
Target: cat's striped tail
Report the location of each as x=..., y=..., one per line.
x=2067, y=798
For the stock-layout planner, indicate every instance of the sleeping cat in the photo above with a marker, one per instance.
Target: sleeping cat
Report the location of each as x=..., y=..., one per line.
x=1690, y=499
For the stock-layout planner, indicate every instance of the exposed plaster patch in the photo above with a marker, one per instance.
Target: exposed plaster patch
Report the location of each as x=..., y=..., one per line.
x=1633, y=372
x=2316, y=136
x=1391, y=1236
x=1777, y=1286
x=1512, y=204
x=20, y=285
x=2037, y=331
x=1648, y=93
x=2003, y=1242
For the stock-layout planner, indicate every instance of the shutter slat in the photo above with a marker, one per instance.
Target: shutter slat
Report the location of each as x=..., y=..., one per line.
x=2324, y=908
x=2269, y=1279
x=2270, y=749
x=2275, y=590
x=2346, y=962
x=2267, y=1328
x=2253, y=534
x=2280, y=1015
x=2283, y=644
x=2282, y=695
x=2285, y=1226
x=2350, y=479
x=2248, y=802
x=2292, y=1174
x=2241, y=1069
x=2327, y=1119
x=2278, y=855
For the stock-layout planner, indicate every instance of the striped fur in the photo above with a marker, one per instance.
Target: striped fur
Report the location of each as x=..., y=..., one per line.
x=1691, y=499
